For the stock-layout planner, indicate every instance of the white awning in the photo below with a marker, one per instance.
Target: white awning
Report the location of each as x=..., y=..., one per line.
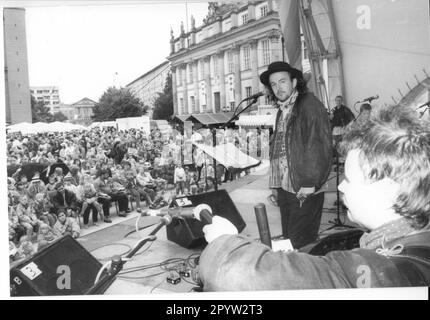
x=256, y=120
x=229, y=156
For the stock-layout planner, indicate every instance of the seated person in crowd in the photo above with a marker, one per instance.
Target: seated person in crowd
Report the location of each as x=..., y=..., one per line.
x=50, y=186
x=145, y=185
x=130, y=183
x=107, y=194
x=88, y=197
x=386, y=190
x=66, y=225
x=41, y=208
x=36, y=186
x=63, y=198
x=16, y=230
x=69, y=183
x=75, y=175
x=59, y=175
x=26, y=216
x=45, y=235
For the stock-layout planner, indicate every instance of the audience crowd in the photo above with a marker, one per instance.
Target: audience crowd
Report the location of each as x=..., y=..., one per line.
x=60, y=183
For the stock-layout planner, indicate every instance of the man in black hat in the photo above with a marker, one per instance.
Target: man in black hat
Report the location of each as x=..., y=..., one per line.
x=300, y=153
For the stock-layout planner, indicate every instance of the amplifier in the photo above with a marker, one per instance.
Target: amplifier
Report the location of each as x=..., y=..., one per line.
x=64, y=267
x=187, y=232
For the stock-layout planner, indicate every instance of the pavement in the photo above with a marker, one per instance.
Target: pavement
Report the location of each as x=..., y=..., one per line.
x=147, y=271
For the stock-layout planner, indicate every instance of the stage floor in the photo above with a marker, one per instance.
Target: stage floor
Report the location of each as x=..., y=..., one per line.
x=108, y=240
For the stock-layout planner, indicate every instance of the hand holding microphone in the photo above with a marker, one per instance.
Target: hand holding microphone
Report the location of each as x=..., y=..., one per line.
x=219, y=227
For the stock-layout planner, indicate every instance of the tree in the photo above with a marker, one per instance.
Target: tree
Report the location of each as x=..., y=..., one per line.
x=117, y=103
x=163, y=104
x=40, y=112
x=59, y=116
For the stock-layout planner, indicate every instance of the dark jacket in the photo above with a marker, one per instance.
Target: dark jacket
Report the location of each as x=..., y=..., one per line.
x=58, y=200
x=308, y=143
x=236, y=263
x=342, y=116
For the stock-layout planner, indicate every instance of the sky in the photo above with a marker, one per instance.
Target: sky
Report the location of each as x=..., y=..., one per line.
x=84, y=49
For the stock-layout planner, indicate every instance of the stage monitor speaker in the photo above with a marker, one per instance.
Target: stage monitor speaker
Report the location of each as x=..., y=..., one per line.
x=187, y=232
x=64, y=267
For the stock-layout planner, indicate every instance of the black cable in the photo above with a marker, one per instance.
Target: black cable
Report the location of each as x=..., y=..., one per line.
x=114, y=244
x=141, y=228
x=142, y=277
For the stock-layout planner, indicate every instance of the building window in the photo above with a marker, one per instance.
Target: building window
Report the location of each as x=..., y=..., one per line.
x=202, y=70
x=216, y=68
x=248, y=91
x=266, y=52
x=244, y=18
x=179, y=77
x=263, y=10
x=246, y=58
x=231, y=105
x=181, y=105
x=204, y=108
x=39, y=91
x=230, y=62
x=190, y=74
x=193, y=104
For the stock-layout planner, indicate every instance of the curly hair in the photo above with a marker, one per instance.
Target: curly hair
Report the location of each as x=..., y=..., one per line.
x=395, y=144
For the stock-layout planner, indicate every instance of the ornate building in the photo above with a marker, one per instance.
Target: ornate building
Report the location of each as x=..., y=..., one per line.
x=83, y=111
x=149, y=84
x=216, y=65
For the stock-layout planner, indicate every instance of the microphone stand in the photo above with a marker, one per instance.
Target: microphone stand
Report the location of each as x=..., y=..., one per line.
x=253, y=101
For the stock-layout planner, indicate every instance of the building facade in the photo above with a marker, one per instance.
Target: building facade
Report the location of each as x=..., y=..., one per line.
x=17, y=88
x=218, y=64
x=49, y=95
x=148, y=85
x=83, y=111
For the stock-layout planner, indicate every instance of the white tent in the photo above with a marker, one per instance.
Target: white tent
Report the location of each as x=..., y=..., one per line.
x=229, y=156
x=38, y=127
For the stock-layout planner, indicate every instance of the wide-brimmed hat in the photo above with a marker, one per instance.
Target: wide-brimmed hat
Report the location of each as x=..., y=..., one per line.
x=278, y=66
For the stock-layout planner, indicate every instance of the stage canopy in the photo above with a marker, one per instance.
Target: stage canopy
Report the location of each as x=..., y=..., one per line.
x=229, y=156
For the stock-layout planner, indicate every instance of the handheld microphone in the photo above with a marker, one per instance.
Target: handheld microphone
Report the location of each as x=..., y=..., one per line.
x=263, y=224
x=165, y=220
x=202, y=212
x=370, y=99
x=255, y=96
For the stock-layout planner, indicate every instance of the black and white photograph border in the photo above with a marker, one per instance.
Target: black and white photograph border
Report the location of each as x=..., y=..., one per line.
x=169, y=147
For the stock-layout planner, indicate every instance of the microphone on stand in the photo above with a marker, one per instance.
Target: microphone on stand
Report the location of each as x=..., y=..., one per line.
x=202, y=212
x=370, y=99
x=254, y=96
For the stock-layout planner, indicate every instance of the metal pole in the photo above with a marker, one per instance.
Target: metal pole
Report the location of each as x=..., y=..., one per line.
x=214, y=160
x=283, y=48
